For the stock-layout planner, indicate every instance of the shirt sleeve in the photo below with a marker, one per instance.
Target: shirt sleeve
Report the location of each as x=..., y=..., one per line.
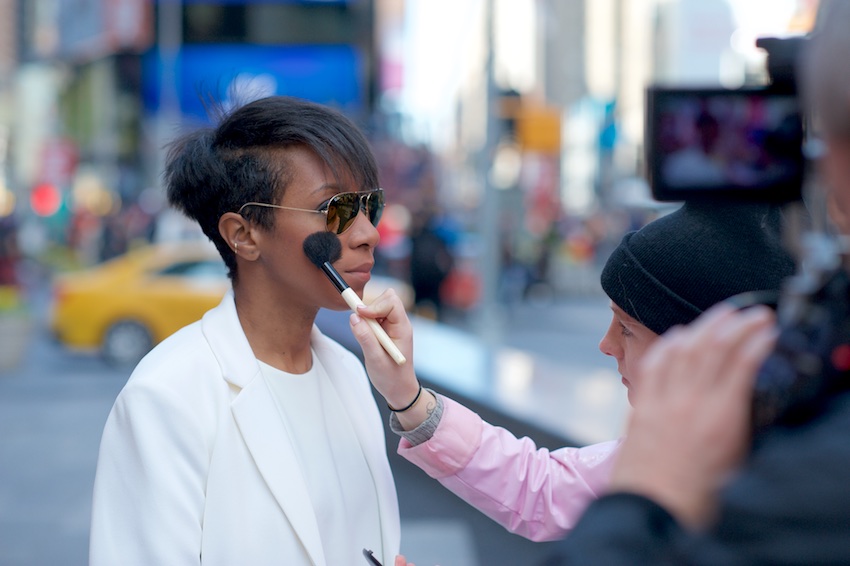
x=425, y=430
x=536, y=493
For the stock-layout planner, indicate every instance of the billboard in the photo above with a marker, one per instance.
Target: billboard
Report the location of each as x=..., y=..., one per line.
x=237, y=73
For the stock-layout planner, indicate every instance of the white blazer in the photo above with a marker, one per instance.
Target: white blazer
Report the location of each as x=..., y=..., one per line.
x=196, y=466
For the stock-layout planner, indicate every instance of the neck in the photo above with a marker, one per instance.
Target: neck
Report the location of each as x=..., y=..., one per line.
x=278, y=331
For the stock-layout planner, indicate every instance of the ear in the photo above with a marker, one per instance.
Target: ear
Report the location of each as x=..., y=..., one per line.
x=237, y=232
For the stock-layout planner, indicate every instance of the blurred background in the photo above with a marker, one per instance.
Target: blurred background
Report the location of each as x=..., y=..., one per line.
x=509, y=134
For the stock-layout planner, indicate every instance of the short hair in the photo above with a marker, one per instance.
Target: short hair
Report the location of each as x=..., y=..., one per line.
x=215, y=170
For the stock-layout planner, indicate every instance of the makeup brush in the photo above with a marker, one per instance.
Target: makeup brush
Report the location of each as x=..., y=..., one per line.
x=323, y=248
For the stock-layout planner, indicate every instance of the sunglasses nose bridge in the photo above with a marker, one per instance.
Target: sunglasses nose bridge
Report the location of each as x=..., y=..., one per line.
x=362, y=203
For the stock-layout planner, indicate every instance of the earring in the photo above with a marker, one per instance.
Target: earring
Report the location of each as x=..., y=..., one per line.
x=235, y=247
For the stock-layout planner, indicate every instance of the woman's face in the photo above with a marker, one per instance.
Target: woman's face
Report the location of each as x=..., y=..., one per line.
x=626, y=341
x=310, y=186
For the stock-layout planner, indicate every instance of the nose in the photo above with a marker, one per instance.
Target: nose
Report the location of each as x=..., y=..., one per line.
x=609, y=345
x=362, y=232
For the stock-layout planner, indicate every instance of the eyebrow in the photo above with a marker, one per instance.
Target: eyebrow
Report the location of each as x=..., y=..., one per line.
x=326, y=187
x=623, y=317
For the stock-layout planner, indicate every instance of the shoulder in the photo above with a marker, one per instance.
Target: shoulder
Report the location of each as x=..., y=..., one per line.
x=179, y=373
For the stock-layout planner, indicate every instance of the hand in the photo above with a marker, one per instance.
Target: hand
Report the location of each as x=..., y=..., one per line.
x=401, y=561
x=397, y=384
x=690, y=427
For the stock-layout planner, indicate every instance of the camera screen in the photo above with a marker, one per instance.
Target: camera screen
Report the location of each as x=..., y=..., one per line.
x=719, y=143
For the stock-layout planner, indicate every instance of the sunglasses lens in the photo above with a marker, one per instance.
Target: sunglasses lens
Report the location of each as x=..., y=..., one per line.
x=341, y=212
x=375, y=206
x=343, y=209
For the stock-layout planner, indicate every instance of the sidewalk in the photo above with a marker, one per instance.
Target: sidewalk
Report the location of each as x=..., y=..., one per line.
x=546, y=370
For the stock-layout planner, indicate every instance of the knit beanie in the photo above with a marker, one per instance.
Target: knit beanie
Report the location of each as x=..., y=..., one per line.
x=679, y=265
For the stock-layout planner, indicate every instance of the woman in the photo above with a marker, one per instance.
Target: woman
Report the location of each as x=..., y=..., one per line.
x=663, y=275
x=249, y=437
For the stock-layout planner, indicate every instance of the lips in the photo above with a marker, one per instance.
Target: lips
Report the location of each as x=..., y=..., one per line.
x=359, y=274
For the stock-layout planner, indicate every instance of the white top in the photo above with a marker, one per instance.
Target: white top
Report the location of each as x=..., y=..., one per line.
x=339, y=482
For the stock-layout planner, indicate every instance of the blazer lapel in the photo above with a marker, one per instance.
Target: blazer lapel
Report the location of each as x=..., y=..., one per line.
x=257, y=417
x=352, y=384
x=262, y=429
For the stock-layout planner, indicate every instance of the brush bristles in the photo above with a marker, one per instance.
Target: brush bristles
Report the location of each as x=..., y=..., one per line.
x=321, y=247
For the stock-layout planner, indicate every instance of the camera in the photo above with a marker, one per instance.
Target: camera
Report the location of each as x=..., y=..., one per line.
x=743, y=144
x=747, y=145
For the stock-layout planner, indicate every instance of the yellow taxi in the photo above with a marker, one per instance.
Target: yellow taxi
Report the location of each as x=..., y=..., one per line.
x=125, y=306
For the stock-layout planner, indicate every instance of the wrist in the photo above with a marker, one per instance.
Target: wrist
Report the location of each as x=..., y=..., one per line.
x=407, y=406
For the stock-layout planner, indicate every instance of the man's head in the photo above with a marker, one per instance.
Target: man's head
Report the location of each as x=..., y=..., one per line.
x=674, y=268
x=671, y=270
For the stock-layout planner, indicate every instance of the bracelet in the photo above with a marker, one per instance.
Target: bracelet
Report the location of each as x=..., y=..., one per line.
x=415, y=399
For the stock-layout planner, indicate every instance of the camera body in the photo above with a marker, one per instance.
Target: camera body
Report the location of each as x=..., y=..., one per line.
x=741, y=144
x=811, y=359
x=747, y=145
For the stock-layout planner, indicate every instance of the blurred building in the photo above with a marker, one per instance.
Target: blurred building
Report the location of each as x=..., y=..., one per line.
x=102, y=85
x=539, y=106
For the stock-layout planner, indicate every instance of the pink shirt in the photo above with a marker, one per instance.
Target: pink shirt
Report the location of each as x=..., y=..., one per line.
x=531, y=491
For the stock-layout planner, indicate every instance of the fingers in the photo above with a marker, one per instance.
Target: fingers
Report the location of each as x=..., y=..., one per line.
x=388, y=305
x=396, y=383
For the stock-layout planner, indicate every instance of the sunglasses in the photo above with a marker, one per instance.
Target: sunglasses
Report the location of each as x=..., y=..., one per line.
x=341, y=209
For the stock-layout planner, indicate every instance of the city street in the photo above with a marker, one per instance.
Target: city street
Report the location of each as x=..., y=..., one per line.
x=53, y=407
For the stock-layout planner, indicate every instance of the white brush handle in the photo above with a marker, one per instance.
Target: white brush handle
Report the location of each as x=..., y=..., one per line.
x=354, y=301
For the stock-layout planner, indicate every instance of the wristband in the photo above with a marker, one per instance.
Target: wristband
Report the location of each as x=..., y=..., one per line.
x=415, y=399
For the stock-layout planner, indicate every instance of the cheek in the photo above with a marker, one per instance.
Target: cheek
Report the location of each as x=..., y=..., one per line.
x=835, y=174
x=633, y=354
x=838, y=210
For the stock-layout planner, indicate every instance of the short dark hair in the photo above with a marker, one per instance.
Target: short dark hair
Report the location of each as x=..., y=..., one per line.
x=215, y=170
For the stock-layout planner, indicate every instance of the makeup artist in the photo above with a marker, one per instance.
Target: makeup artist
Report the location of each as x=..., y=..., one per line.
x=249, y=437
x=663, y=275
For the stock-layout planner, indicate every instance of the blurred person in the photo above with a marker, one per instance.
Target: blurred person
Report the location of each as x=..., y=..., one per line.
x=703, y=160
x=249, y=437
x=690, y=486
x=431, y=261
x=663, y=275
x=10, y=254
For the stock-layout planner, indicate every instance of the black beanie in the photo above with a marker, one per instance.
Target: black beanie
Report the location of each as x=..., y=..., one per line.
x=677, y=266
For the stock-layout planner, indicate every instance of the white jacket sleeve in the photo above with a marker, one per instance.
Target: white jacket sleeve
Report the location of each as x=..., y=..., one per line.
x=149, y=487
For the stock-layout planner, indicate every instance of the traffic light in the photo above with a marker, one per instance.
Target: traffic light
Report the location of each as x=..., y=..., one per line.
x=45, y=199
x=538, y=128
x=535, y=126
